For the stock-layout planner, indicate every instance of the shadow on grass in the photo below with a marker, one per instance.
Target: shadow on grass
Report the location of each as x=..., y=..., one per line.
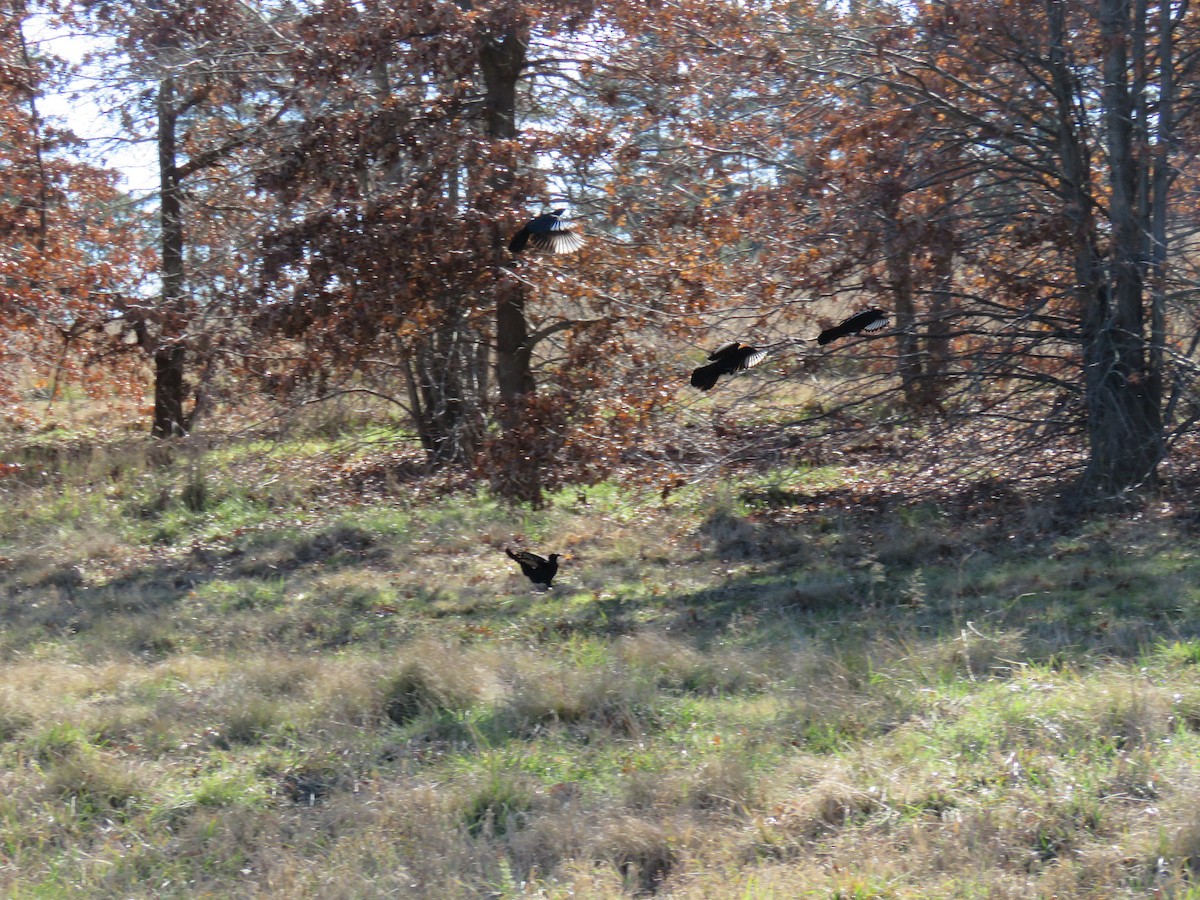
x=336, y=547
x=828, y=567
x=1105, y=585
x=151, y=609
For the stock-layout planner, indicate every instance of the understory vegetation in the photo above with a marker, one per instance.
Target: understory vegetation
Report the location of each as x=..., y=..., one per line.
x=294, y=666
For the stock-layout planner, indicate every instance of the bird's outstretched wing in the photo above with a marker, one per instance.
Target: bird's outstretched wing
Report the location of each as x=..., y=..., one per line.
x=869, y=321
x=726, y=359
x=753, y=358
x=549, y=231
x=564, y=239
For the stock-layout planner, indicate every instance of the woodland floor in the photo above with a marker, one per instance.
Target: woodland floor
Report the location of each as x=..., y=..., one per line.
x=302, y=668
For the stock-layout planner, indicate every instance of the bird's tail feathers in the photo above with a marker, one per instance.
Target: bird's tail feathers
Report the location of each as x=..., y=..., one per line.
x=705, y=377
x=520, y=239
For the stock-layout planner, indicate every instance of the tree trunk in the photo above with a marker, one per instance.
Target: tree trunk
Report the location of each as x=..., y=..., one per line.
x=439, y=370
x=1124, y=424
x=937, y=339
x=440, y=374
x=1160, y=183
x=38, y=138
x=501, y=60
x=169, y=390
x=898, y=249
x=1124, y=420
x=170, y=387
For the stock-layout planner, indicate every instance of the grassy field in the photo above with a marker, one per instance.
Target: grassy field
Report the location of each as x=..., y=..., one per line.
x=302, y=669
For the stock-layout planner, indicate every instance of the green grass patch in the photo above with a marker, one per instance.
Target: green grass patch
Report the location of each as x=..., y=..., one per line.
x=224, y=676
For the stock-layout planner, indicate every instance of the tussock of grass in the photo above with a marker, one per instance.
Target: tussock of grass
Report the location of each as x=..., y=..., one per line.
x=602, y=698
x=434, y=681
x=94, y=785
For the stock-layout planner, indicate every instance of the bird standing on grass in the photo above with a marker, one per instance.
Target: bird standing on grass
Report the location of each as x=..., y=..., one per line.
x=538, y=570
x=549, y=231
x=726, y=359
x=869, y=320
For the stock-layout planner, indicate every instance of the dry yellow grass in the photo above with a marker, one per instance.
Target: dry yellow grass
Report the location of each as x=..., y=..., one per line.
x=738, y=692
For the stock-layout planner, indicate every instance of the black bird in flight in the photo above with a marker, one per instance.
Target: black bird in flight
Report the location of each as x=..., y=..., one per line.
x=869, y=320
x=538, y=570
x=726, y=359
x=549, y=231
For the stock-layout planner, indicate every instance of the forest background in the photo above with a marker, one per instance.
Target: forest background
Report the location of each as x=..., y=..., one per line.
x=291, y=404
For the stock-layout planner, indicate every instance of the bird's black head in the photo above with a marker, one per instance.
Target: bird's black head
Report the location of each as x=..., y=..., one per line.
x=555, y=557
x=559, y=212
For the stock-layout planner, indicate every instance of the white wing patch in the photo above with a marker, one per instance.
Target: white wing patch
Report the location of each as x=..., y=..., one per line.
x=562, y=240
x=877, y=325
x=754, y=359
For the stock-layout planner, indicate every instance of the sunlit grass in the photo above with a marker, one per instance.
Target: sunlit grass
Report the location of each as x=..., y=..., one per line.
x=216, y=679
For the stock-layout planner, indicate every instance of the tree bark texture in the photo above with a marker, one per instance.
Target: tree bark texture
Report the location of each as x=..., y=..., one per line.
x=170, y=354
x=1124, y=425
x=1124, y=418
x=501, y=62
